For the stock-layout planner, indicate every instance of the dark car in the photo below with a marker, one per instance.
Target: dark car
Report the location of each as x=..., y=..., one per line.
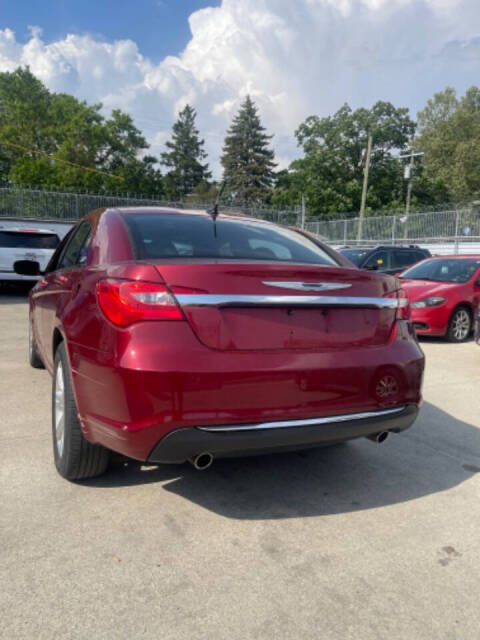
x=174, y=335
x=386, y=258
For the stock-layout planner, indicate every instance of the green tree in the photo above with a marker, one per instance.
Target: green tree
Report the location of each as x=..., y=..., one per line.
x=247, y=160
x=184, y=156
x=57, y=140
x=331, y=172
x=24, y=104
x=449, y=135
x=205, y=192
x=438, y=109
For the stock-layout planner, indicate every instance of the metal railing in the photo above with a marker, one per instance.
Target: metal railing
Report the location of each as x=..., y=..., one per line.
x=454, y=226
x=63, y=205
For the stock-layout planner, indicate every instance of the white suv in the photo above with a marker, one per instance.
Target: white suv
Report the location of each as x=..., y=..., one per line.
x=27, y=241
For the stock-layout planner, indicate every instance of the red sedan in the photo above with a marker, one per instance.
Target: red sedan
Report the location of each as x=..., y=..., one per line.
x=444, y=294
x=176, y=335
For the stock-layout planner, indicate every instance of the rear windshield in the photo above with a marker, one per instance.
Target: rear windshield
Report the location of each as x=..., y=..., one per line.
x=28, y=240
x=178, y=235
x=354, y=255
x=443, y=270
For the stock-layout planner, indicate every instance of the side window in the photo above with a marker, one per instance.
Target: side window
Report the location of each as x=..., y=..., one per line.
x=83, y=255
x=419, y=256
x=379, y=259
x=402, y=259
x=52, y=265
x=76, y=250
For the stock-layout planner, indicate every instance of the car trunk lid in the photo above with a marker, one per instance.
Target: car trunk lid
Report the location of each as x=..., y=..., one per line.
x=264, y=306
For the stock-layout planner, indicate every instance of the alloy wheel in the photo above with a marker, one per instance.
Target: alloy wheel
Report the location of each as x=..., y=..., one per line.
x=461, y=325
x=59, y=409
x=30, y=339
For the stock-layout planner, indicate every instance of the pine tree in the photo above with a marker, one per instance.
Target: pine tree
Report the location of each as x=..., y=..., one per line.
x=247, y=159
x=185, y=156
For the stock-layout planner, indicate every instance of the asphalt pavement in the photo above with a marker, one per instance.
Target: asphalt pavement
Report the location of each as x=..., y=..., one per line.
x=359, y=541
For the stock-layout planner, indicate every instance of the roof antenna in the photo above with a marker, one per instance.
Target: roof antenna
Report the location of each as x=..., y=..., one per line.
x=213, y=212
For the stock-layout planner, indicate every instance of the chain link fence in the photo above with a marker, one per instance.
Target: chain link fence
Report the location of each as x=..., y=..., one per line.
x=57, y=205
x=455, y=226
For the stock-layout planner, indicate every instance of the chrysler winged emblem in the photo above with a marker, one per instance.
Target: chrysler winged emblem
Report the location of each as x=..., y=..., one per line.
x=309, y=286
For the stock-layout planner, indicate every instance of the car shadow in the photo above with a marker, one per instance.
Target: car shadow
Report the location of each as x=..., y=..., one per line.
x=438, y=453
x=15, y=293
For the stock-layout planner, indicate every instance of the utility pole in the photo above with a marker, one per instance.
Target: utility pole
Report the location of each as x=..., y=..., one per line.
x=409, y=176
x=365, y=187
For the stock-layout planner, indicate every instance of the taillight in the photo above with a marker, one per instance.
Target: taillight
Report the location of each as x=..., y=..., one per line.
x=403, y=304
x=126, y=302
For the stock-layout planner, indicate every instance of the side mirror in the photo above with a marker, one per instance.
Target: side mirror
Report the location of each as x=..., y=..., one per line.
x=27, y=268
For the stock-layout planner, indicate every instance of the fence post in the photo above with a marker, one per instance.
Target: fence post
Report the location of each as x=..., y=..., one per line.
x=345, y=231
x=457, y=220
x=394, y=224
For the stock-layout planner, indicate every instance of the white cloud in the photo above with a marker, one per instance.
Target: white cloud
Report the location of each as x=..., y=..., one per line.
x=294, y=57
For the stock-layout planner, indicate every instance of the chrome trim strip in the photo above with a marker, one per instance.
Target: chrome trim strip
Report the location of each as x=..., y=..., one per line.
x=214, y=300
x=308, y=286
x=304, y=423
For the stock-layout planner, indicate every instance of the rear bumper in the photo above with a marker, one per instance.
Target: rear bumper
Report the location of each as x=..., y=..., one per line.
x=11, y=276
x=164, y=381
x=239, y=440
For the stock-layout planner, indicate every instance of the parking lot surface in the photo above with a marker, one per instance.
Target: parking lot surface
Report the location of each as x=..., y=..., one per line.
x=358, y=541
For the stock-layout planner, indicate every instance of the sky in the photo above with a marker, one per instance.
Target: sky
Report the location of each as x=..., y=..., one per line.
x=160, y=27
x=294, y=57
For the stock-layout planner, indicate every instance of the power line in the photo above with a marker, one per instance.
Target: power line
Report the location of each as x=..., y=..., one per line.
x=50, y=157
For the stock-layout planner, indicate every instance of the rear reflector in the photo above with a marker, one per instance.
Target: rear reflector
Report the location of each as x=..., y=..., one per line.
x=125, y=302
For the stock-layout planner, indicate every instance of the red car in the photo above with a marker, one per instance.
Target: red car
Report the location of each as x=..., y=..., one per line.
x=444, y=294
x=176, y=335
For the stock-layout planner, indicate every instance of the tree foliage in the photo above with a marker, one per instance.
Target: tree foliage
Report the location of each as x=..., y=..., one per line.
x=331, y=172
x=247, y=160
x=449, y=131
x=40, y=129
x=57, y=140
x=185, y=156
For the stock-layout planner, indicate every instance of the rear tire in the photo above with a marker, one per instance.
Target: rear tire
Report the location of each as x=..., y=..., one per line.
x=460, y=325
x=75, y=457
x=33, y=357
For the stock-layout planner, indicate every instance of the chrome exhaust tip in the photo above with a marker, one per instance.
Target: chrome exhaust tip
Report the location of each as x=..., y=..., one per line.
x=379, y=437
x=202, y=461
